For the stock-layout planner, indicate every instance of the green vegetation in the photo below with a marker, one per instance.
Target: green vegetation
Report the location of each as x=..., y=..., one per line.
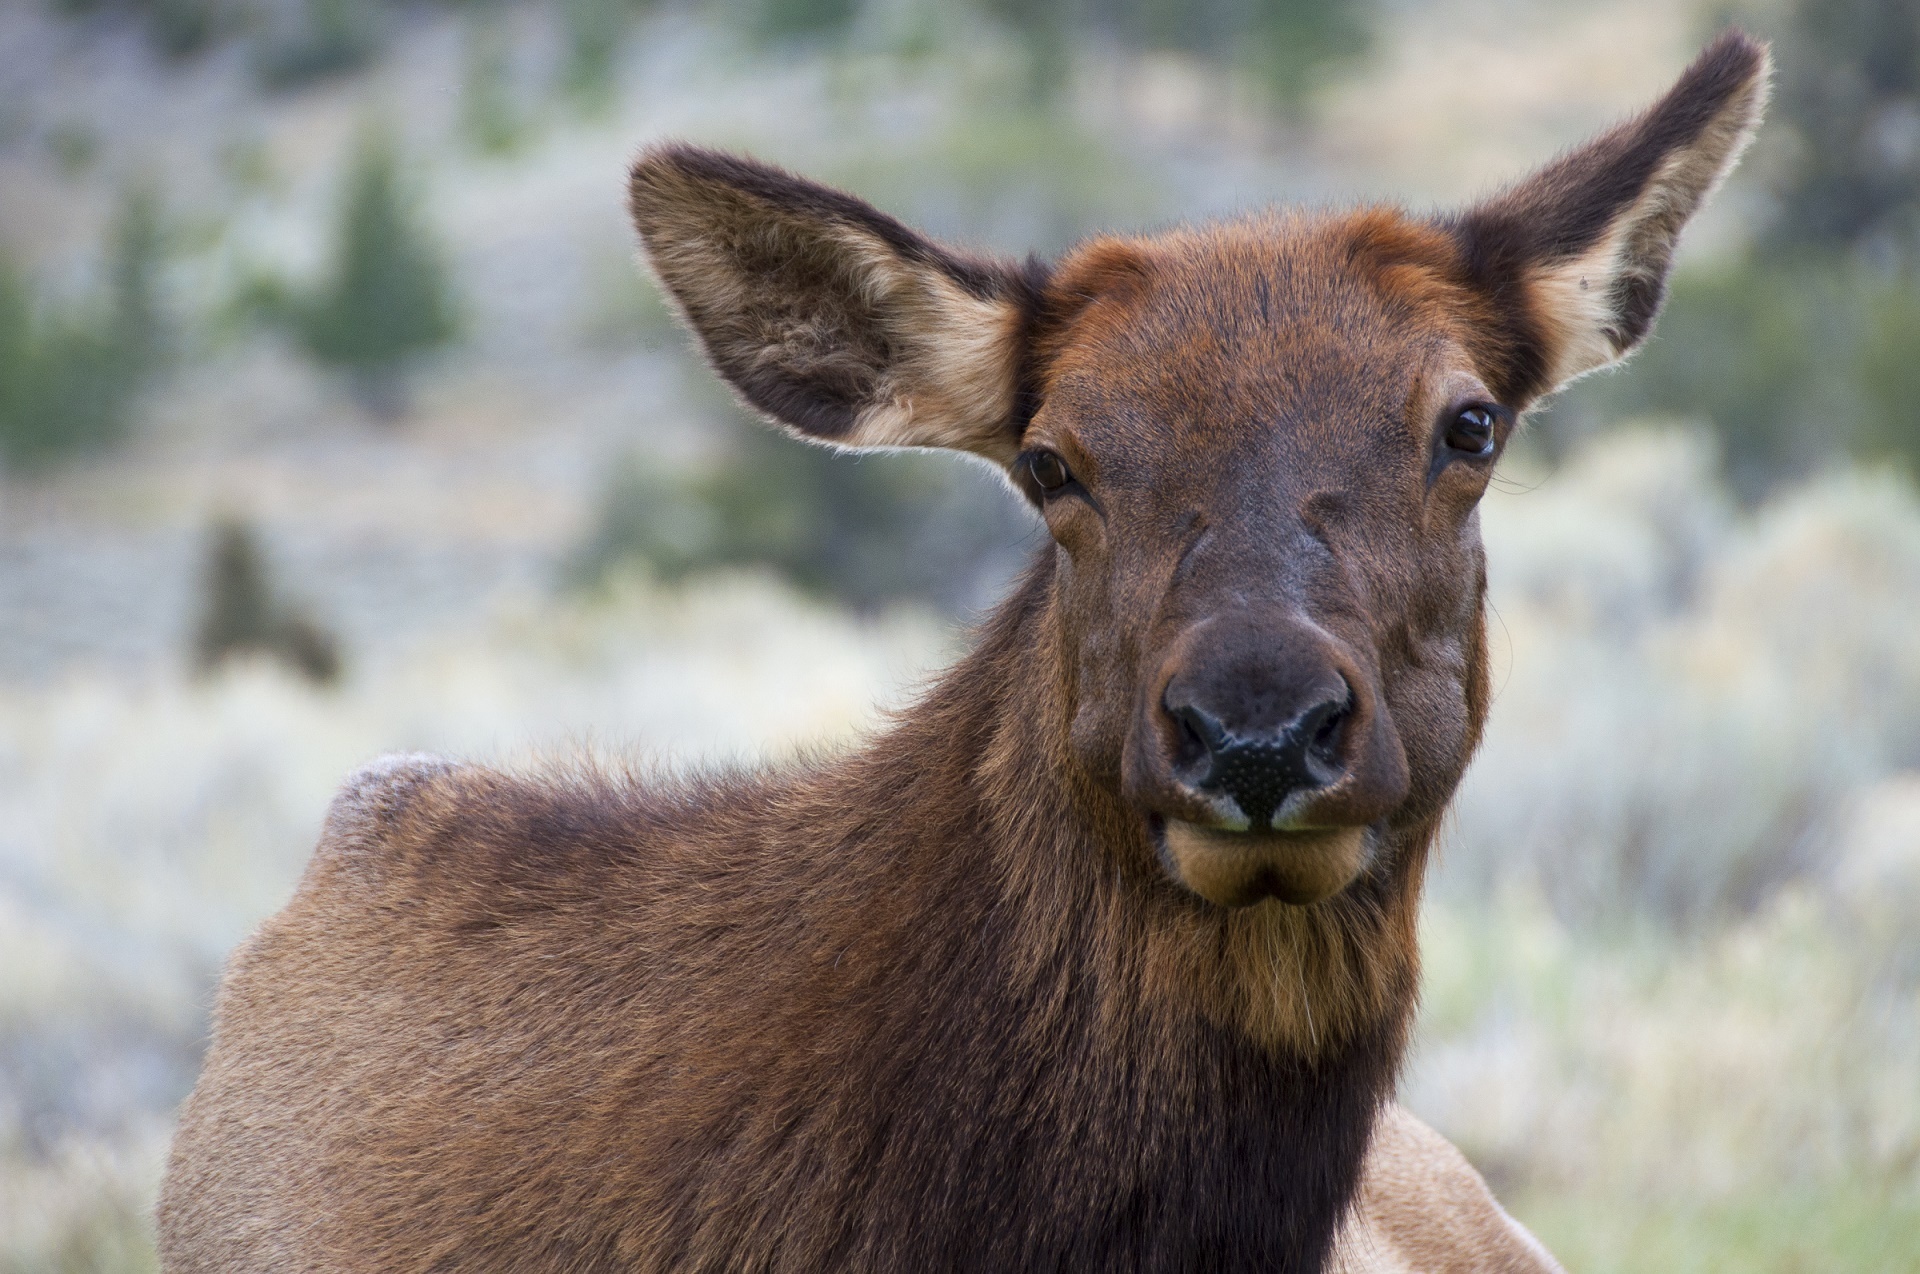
x=1849, y=80
x=316, y=38
x=860, y=530
x=802, y=20
x=1285, y=44
x=595, y=32
x=1832, y=1232
x=1807, y=347
x=493, y=121
x=387, y=299
x=69, y=376
x=177, y=28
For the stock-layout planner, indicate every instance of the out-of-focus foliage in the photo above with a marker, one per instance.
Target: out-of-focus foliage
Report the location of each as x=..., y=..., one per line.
x=786, y=20
x=493, y=120
x=1006, y=174
x=1806, y=346
x=595, y=31
x=69, y=375
x=1286, y=44
x=1671, y=655
x=387, y=298
x=1795, y=359
x=858, y=530
x=178, y=28
x=311, y=39
x=242, y=613
x=1850, y=89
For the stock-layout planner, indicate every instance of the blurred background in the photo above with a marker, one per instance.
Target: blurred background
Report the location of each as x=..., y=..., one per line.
x=335, y=419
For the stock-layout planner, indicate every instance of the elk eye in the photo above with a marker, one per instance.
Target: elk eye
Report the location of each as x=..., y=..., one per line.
x=1049, y=471
x=1471, y=431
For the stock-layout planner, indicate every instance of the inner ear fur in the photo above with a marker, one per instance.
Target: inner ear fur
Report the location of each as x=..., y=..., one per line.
x=829, y=316
x=1575, y=258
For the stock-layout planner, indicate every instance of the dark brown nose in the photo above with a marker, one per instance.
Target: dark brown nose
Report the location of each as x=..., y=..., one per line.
x=1258, y=726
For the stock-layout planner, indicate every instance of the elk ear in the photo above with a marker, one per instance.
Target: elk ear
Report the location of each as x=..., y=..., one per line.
x=1575, y=258
x=829, y=316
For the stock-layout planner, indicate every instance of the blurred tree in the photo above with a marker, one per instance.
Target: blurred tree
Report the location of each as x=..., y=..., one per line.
x=311, y=39
x=387, y=300
x=1808, y=346
x=1754, y=351
x=1286, y=44
x=136, y=326
x=1850, y=88
x=783, y=21
x=490, y=117
x=861, y=530
x=242, y=615
x=68, y=377
x=1888, y=368
x=596, y=30
x=178, y=28
x=181, y=28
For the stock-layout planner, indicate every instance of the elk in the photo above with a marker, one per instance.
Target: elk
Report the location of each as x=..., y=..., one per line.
x=1102, y=955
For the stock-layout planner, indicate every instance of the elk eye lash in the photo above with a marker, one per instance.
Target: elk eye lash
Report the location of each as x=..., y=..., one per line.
x=1471, y=430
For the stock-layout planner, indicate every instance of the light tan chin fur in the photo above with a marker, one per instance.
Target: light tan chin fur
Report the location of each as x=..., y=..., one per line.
x=1236, y=869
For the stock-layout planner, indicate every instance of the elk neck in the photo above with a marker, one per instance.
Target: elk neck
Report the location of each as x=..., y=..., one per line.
x=1071, y=879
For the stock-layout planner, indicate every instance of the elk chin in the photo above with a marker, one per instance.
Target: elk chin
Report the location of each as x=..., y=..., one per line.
x=1238, y=869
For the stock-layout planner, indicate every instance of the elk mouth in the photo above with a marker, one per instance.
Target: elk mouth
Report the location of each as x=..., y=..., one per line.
x=1241, y=868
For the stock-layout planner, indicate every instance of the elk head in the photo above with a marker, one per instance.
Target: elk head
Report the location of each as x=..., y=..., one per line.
x=1258, y=448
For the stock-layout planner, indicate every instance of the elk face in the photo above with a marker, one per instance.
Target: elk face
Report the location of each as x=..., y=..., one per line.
x=1258, y=449
x=1260, y=462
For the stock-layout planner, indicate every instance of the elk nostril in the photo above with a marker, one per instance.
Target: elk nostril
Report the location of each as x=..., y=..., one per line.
x=1201, y=734
x=1322, y=724
x=1261, y=771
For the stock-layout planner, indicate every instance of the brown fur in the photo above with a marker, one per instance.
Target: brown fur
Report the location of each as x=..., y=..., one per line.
x=1009, y=987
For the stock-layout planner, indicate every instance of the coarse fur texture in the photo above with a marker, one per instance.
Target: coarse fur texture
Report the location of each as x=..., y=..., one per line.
x=1020, y=984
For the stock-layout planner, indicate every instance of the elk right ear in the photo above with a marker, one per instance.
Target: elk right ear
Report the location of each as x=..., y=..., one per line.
x=829, y=316
x=1575, y=258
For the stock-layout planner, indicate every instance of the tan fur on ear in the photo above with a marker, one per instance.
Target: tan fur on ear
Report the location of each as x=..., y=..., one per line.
x=829, y=317
x=955, y=371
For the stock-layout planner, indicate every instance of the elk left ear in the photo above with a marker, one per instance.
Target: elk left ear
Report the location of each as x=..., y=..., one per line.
x=1575, y=258
x=829, y=317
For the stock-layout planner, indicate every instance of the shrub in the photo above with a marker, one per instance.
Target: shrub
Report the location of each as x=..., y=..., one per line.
x=491, y=119
x=1888, y=369
x=181, y=28
x=387, y=299
x=313, y=39
x=862, y=530
x=69, y=377
x=1687, y=689
x=1850, y=74
x=595, y=32
x=1285, y=44
x=790, y=20
x=1756, y=349
x=242, y=615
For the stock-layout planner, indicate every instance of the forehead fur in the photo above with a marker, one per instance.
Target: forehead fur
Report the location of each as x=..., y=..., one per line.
x=1281, y=304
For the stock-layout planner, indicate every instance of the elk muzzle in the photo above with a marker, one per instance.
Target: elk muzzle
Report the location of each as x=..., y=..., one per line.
x=1264, y=754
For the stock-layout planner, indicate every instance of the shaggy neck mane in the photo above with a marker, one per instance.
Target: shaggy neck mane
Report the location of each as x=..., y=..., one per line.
x=1221, y=1066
